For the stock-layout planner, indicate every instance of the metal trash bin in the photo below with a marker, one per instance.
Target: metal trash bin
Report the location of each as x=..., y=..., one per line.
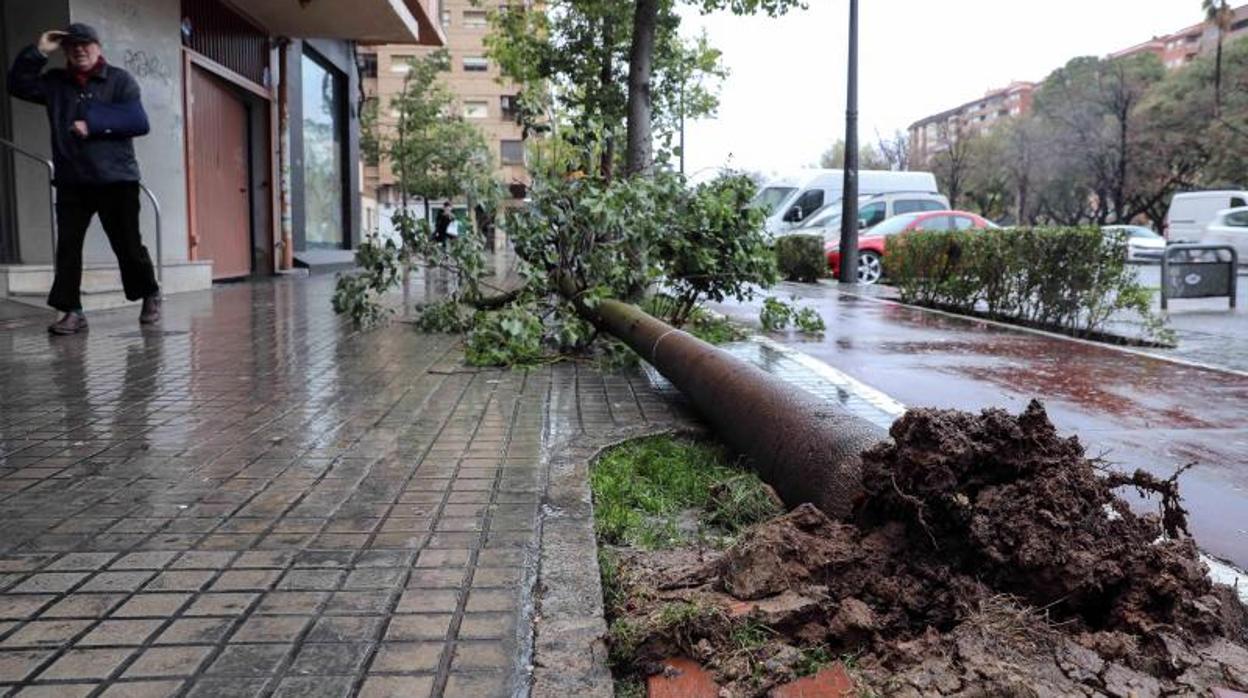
x=1198, y=271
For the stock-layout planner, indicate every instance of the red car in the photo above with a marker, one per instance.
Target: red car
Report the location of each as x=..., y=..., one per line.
x=871, y=241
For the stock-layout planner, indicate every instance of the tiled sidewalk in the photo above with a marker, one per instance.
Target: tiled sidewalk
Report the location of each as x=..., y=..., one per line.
x=254, y=500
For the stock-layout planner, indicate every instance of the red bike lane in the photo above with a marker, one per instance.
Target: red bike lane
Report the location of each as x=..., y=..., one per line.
x=1132, y=410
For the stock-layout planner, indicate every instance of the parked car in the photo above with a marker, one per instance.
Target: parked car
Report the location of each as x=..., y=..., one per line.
x=871, y=245
x=790, y=200
x=1230, y=227
x=1191, y=212
x=1143, y=245
x=872, y=210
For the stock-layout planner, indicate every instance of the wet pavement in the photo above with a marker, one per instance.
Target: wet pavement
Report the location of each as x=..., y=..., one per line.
x=1134, y=410
x=1209, y=331
x=253, y=499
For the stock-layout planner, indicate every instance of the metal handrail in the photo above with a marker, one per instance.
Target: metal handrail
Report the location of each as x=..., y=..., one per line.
x=160, y=258
x=51, y=184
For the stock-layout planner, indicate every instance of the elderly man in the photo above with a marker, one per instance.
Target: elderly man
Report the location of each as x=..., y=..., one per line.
x=94, y=112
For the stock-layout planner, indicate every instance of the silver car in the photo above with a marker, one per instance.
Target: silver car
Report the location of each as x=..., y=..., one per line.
x=1143, y=245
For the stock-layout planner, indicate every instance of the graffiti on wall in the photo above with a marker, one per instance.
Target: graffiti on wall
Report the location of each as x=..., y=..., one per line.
x=147, y=66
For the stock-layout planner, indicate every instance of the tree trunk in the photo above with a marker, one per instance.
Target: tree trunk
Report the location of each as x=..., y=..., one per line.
x=1217, y=79
x=640, y=65
x=606, y=77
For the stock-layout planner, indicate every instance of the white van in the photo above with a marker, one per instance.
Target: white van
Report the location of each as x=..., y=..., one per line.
x=1191, y=212
x=789, y=200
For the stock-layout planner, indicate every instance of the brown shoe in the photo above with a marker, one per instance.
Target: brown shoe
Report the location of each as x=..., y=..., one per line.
x=150, y=314
x=72, y=322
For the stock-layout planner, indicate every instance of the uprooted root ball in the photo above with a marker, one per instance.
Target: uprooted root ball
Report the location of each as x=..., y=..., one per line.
x=987, y=553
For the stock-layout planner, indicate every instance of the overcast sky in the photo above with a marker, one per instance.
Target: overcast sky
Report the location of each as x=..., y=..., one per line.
x=784, y=101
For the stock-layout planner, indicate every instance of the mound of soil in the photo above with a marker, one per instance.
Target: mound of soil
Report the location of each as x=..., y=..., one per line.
x=988, y=555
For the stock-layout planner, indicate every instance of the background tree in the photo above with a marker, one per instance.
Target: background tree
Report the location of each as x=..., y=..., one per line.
x=952, y=164
x=869, y=158
x=648, y=17
x=1090, y=108
x=434, y=153
x=613, y=68
x=895, y=150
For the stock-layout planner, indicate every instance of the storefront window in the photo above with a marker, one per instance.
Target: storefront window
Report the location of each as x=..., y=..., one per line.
x=322, y=155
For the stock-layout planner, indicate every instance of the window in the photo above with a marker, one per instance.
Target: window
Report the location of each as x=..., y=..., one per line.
x=401, y=63
x=872, y=214
x=1238, y=201
x=770, y=199
x=324, y=149
x=809, y=201
x=476, y=110
x=915, y=205
x=446, y=19
x=475, y=64
x=367, y=63
x=474, y=19
x=511, y=152
x=935, y=223
x=963, y=222
x=509, y=107
x=1239, y=219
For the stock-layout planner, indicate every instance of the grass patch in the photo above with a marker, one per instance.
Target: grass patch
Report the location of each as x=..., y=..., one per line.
x=643, y=488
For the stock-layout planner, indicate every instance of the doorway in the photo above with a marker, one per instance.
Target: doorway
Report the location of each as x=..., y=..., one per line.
x=221, y=181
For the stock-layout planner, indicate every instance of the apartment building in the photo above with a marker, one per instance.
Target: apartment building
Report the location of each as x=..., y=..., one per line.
x=931, y=135
x=481, y=98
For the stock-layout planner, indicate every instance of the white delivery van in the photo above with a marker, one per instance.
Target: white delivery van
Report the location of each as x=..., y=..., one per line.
x=789, y=200
x=1191, y=212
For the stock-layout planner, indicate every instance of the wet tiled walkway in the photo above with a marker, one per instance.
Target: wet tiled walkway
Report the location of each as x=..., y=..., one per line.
x=255, y=500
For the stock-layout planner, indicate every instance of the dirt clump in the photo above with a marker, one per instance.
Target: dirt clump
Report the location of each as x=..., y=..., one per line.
x=988, y=556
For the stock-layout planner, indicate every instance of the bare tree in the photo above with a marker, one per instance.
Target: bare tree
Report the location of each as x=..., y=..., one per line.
x=868, y=157
x=895, y=150
x=952, y=163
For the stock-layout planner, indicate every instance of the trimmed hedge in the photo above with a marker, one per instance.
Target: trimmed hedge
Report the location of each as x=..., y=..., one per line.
x=801, y=257
x=1073, y=279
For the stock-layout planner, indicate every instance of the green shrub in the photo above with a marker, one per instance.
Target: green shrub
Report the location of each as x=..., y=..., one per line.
x=801, y=257
x=777, y=315
x=1074, y=279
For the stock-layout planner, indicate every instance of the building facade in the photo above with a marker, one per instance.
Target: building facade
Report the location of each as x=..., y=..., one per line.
x=931, y=135
x=251, y=158
x=482, y=99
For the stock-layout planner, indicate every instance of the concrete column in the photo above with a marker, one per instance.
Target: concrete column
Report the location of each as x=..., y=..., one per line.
x=144, y=37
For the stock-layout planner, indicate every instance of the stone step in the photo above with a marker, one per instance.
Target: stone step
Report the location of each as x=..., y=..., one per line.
x=96, y=300
x=21, y=281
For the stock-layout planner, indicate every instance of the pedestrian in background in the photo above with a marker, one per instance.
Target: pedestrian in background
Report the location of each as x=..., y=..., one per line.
x=442, y=226
x=94, y=112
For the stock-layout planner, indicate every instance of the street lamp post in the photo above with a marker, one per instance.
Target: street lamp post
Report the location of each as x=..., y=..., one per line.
x=848, y=272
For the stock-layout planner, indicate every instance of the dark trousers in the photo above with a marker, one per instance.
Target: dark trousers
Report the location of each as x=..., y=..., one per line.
x=118, y=207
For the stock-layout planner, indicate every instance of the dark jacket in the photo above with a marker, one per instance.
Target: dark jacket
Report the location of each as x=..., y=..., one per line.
x=101, y=157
